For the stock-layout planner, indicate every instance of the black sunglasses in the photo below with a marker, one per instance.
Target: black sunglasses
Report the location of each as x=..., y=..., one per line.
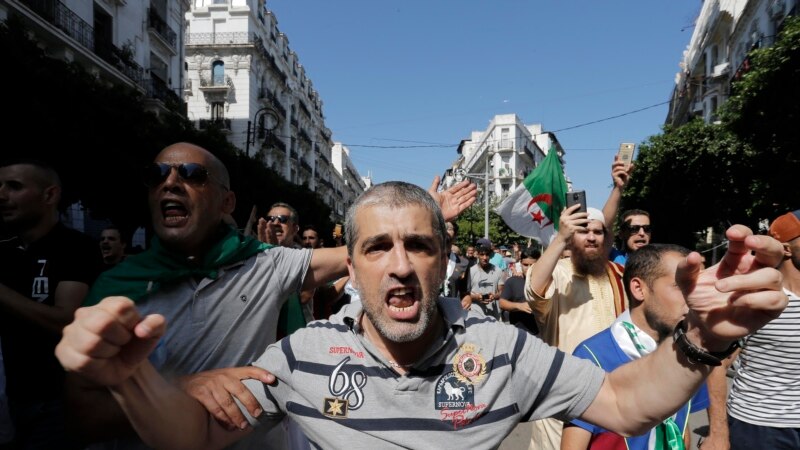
x=192, y=173
x=633, y=229
x=282, y=218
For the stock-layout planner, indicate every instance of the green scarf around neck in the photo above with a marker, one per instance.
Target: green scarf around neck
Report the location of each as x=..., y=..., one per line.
x=139, y=275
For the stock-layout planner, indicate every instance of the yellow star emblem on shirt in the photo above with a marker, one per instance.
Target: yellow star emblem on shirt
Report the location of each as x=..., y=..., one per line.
x=335, y=407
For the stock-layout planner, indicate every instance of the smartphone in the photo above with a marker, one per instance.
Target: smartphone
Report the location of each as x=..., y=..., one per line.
x=577, y=197
x=625, y=153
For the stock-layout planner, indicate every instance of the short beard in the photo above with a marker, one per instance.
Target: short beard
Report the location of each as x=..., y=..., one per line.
x=662, y=329
x=401, y=332
x=585, y=265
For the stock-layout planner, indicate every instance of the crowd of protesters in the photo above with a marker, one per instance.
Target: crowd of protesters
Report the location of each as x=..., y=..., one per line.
x=383, y=332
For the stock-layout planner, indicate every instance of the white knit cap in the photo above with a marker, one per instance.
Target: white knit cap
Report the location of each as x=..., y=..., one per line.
x=596, y=214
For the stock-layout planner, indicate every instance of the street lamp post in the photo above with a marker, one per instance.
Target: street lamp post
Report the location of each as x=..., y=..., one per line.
x=270, y=122
x=460, y=174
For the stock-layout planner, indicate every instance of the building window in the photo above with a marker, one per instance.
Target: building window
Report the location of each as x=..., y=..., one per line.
x=218, y=73
x=505, y=142
x=217, y=111
x=159, y=68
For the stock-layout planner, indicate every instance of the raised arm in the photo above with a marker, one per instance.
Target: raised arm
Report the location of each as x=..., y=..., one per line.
x=541, y=274
x=108, y=345
x=454, y=199
x=727, y=301
x=620, y=175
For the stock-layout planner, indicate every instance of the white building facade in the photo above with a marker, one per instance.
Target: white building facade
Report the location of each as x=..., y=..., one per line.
x=505, y=153
x=244, y=78
x=725, y=32
x=138, y=44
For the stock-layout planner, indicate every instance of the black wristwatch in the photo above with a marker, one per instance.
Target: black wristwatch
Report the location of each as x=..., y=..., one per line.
x=697, y=355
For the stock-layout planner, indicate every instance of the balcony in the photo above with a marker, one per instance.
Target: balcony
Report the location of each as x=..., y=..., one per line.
x=504, y=145
x=122, y=59
x=158, y=89
x=220, y=124
x=157, y=24
x=63, y=18
x=721, y=70
x=221, y=39
x=505, y=173
x=214, y=91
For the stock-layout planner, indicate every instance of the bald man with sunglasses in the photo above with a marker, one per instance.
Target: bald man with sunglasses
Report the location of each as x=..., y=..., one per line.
x=221, y=291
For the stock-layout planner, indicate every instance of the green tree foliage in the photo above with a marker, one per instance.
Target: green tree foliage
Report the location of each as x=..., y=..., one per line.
x=765, y=112
x=99, y=137
x=739, y=171
x=471, y=228
x=689, y=178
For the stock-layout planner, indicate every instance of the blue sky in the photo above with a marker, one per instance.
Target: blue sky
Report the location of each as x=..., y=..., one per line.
x=427, y=73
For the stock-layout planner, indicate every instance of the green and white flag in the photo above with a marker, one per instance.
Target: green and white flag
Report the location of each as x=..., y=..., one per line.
x=533, y=209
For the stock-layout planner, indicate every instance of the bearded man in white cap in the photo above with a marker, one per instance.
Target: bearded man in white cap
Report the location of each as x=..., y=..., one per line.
x=574, y=298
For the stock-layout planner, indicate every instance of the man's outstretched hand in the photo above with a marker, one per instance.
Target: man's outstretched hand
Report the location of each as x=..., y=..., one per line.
x=737, y=296
x=455, y=199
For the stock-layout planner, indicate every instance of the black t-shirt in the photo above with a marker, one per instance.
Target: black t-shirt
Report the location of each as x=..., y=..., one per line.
x=64, y=254
x=514, y=290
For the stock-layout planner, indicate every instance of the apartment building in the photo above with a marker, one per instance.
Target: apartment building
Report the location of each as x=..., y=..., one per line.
x=138, y=44
x=504, y=154
x=244, y=78
x=724, y=34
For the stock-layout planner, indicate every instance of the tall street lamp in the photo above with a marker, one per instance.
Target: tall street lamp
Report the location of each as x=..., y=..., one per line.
x=268, y=123
x=460, y=174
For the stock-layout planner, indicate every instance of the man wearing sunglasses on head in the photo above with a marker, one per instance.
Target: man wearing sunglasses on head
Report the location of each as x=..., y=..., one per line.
x=635, y=233
x=220, y=291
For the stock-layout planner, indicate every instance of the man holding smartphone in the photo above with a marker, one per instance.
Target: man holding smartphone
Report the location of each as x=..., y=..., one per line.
x=573, y=298
x=484, y=284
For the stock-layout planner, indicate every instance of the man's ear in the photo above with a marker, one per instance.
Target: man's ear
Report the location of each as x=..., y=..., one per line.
x=229, y=202
x=352, y=272
x=637, y=288
x=787, y=250
x=52, y=195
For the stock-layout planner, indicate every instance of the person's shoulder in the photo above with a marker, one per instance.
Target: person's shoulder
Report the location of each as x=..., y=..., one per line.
x=564, y=265
x=617, y=268
x=598, y=342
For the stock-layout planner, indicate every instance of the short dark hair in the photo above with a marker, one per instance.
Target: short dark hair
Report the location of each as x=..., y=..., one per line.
x=633, y=212
x=645, y=263
x=395, y=194
x=46, y=174
x=455, y=226
x=531, y=252
x=311, y=227
x=484, y=249
x=294, y=217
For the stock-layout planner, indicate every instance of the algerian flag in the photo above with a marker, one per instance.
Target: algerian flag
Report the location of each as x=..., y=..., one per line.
x=533, y=209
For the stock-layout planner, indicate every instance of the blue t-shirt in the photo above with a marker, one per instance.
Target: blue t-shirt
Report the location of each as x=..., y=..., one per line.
x=498, y=260
x=602, y=349
x=617, y=256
